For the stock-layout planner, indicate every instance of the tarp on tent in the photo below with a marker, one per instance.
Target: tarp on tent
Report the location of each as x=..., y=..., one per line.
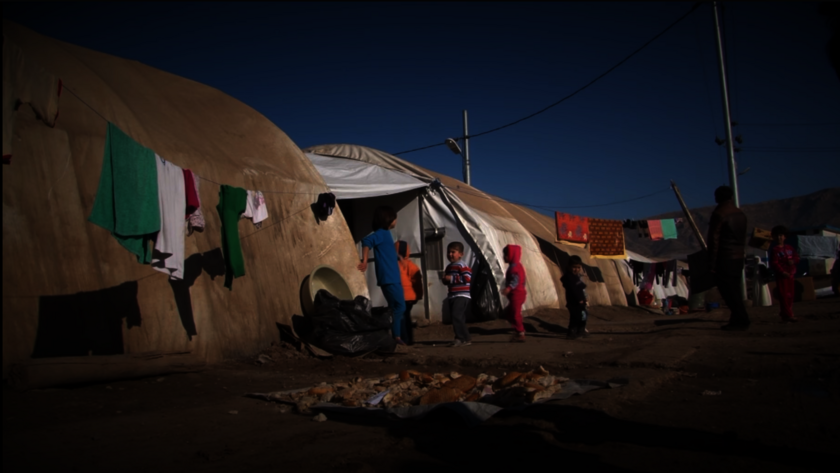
x=351, y=179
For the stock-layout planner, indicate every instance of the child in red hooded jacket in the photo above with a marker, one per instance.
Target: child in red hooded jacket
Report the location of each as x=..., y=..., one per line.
x=783, y=260
x=515, y=290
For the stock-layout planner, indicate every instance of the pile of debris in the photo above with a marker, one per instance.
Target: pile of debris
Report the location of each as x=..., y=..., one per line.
x=412, y=388
x=280, y=351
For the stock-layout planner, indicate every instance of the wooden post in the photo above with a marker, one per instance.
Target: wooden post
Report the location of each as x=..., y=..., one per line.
x=688, y=216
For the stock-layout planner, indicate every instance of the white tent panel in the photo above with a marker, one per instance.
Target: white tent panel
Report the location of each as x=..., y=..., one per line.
x=504, y=231
x=438, y=216
x=351, y=179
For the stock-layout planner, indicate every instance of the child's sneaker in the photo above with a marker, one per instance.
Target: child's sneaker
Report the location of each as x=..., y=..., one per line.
x=460, y=343
x=518, y=338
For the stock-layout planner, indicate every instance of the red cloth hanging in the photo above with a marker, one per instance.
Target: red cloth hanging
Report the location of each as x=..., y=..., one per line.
x=655, y=227
x=193, y=202
x=572, y=227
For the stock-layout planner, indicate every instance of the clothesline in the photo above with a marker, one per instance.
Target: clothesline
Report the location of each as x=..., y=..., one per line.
x=198, y=175
x=169, y=251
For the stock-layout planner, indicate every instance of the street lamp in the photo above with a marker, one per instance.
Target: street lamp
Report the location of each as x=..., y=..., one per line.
x=453, y=145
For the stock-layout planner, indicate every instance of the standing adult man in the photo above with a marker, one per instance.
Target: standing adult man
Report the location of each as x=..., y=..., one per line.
x=726, y=241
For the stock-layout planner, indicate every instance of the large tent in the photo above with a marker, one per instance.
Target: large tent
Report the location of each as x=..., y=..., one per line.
x=454, y=211
x=70, y=289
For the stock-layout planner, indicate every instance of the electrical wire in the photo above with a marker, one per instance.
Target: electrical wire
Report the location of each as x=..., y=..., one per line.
x=555, y=207
x=791, y=124
x=793, y=150
x=581, y=89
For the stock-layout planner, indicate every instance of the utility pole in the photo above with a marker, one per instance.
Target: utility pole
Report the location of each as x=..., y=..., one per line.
x=730, y=146
x=466, y=165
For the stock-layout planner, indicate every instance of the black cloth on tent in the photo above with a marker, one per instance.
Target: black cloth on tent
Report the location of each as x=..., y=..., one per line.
x=325, y=205
x=670, y=273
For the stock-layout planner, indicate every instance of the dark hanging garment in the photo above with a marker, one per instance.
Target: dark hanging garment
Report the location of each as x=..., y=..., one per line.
x=325, y=205
x=638, y=271
x=643, y=228
x=670, y=273
x=660, y=272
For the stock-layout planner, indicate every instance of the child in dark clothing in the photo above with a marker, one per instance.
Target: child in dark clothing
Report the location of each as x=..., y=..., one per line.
x=515, y=290
x=387, y=268
x=576, y=300
x=783, y=260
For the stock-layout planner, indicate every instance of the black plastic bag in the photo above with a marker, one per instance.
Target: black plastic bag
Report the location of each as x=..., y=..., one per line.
x=350, y=327
x=349, y=316
x=354, y=343
x=486, y=302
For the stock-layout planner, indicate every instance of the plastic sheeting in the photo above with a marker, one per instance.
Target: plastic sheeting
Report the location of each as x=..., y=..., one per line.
x=817, y=246
x=351, y=179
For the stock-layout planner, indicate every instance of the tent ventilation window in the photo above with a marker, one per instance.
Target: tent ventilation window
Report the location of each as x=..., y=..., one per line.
x=434, y=248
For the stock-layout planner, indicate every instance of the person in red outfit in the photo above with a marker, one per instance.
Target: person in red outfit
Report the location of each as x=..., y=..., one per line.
x=515, y=290
x=783, y=260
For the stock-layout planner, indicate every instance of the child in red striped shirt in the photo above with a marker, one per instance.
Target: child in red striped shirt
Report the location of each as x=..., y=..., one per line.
x=458, y=276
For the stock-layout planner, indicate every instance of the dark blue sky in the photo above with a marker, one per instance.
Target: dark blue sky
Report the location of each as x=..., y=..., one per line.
x=397, y=76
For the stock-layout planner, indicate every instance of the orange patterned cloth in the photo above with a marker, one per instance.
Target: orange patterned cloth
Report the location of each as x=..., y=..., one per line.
x=606, y=239
x=571, y=227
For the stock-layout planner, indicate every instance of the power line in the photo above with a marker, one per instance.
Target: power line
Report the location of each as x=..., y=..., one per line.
x=790, y=124
x=593, y=81
x=561, y=207
x=794, y=150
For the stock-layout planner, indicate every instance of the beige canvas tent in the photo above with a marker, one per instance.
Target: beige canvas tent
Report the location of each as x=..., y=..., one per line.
x=66, y=280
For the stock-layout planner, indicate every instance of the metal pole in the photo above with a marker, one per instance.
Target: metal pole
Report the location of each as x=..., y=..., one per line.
x=688, y=216
x=466, y=151
x=423, y=266
x=730, y=146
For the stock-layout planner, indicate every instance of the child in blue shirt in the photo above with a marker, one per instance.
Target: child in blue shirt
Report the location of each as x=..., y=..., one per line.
x=387, y=267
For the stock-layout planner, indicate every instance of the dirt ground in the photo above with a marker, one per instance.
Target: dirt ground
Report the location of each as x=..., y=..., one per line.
x=778, y=406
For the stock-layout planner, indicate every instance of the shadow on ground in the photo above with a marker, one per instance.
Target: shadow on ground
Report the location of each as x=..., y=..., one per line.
x=536, y=437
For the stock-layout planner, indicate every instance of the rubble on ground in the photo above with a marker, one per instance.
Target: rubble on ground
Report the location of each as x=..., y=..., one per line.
x=412, y=388
x=280, y=351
